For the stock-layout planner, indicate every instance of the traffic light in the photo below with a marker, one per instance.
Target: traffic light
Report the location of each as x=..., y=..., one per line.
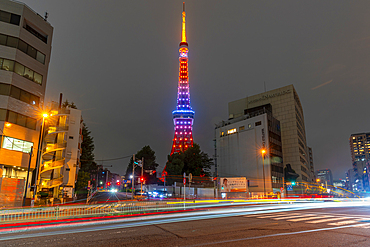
x=142, y=179
x=293, y=183
x=108, y=184
x=118, y=183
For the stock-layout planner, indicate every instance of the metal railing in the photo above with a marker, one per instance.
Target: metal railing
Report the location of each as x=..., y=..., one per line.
x=63, y=212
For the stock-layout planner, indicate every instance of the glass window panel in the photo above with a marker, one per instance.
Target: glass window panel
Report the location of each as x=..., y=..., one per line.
x=28, y=73
x=12, y=42
x=15, y=19
x=34, y=100
x=7, y=143
x=21, y=120
x=5, y=16
x=15, y=92
x=22, y=46
x=12, y=117
x=37, y=78
x=17, y=144
x=3, y=39
x=19, y=69
x=31, y=51
x=25, y=96
x=27, y=146
x=4, y=89
x=31, y=123
x=40, y=57
x=8, y=65
x=2, y=114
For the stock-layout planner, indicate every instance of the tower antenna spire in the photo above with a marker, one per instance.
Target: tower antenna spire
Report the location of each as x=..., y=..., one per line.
x=183, y=33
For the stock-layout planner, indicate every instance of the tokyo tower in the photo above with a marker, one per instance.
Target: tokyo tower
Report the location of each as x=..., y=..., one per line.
x=183, y=116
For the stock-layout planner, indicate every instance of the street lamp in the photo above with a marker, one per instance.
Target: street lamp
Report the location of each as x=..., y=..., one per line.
x=263, y=151
x=44, y=115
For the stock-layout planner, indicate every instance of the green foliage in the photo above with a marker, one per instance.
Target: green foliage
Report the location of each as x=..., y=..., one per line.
x=87, y=151
x=82, y=180
x=193, y=161
x=149, y=164
x=67, y=104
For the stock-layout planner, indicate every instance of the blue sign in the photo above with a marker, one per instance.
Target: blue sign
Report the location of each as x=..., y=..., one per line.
x=289, y=187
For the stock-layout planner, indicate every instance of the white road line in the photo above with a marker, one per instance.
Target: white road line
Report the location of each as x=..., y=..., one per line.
x=295, y=216
x=346, y=222
x=281, y=234
x=327, y=220
x=309, y=218
x=270, y=216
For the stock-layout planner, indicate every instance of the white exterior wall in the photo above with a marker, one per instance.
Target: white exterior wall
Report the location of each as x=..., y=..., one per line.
x=283, y=109
x=239, y=154
x=72, y=153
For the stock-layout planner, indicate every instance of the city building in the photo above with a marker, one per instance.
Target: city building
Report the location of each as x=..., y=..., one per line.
x=61, y=151
x=287, y=108
x=183, y=116
x=360, y=153
x=324, y=176
x=250, y=146
x=312, y=170
x=25, y=48
x=339, y=183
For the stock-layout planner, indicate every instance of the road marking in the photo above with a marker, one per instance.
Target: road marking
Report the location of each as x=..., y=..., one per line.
x=270, y=216
x=327, y=220
x=281, y=234
x=344, y=222
x=309, y=218
x=292, y=217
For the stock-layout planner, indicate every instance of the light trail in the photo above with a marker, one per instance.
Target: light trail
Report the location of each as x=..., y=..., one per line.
x=150, y=220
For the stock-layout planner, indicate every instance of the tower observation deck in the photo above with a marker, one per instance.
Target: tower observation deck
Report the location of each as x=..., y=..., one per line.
x=183, y=116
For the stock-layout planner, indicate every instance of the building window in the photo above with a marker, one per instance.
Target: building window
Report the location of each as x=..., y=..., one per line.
x=231, y=131
x=37, y=34
x=241, y=128
x=21, y=70
x=70, y=137
x=258, y=123
x=19, y=94
x=19, y=119
x=22, y=46
x=249, y=126
x=16, y=144
x=10, y=18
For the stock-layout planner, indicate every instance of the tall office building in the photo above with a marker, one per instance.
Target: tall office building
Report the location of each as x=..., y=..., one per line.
x=25, y=47
x=325, y=176
x=312, y=170
x=360, y=153
x=287, y=108
x=239, y=144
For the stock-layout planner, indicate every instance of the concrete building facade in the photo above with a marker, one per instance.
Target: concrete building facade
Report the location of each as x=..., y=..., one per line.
x=239, y=143
x=25, y=48
x=287, y=108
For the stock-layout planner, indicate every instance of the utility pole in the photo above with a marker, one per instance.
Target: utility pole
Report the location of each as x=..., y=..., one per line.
x=142, y=173
x=28, y=174
x=133, y=176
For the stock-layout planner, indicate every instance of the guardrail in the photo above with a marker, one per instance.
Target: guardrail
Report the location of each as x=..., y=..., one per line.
x=63, y=212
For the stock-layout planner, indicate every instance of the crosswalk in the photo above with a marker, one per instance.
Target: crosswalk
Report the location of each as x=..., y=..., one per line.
x=315, y=218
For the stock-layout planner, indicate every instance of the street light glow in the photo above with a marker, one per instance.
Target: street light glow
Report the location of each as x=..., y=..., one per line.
x=263, y=151
x=45, y=115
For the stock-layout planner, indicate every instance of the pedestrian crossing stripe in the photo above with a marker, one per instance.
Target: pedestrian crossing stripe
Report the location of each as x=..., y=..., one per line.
x=313, y=218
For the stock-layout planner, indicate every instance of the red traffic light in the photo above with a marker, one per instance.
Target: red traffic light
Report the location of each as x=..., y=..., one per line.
x=108, y=184
x=118, y=183
x=142, y=179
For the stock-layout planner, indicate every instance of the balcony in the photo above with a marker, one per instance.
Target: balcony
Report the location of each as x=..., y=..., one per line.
x=53, y=164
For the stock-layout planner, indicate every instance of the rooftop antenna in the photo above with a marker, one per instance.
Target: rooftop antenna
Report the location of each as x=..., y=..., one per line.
x=46, y=16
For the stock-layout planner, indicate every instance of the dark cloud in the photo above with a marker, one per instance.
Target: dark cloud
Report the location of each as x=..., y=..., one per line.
x=118, y=61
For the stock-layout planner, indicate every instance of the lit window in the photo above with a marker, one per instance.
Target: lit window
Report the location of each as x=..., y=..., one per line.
x=16, y=144
x=231, y=131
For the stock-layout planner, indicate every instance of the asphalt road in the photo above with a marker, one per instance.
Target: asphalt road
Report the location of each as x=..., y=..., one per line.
x=319, y=224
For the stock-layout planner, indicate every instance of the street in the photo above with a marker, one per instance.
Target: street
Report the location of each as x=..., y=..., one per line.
x=305, y=224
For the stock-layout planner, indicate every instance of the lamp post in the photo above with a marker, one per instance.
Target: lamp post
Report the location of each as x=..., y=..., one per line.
x=44, y=115
x=28, y=174
x=263, y=151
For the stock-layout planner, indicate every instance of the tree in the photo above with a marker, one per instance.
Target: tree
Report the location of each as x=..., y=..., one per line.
x=193, y=161
x=82, y=180
x=67, y=104
x=150, y=164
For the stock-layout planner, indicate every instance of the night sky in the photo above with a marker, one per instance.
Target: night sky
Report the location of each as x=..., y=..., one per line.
x=118, y=61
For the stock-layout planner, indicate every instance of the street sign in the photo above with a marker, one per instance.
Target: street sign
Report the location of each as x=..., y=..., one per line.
x=281, y=189
x=289, y=187
x=184, y=181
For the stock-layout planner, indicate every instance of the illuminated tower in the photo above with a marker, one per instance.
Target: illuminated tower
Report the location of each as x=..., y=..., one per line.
x=183, y=116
